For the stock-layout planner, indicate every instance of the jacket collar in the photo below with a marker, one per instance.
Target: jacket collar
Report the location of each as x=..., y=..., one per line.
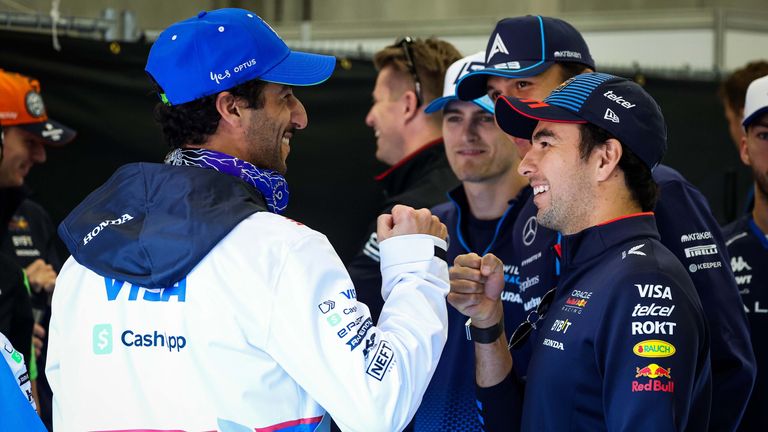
x=588, y=244
x=459, y=199
x=411, y=168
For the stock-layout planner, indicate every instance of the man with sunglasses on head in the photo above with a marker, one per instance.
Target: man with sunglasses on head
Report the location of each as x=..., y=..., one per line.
x=622, y=343
x=190, y=303
x=408, y=140
x=529, y=71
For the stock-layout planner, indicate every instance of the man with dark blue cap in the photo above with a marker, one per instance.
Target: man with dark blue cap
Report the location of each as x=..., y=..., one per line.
x=695, y=239
x=623, y=343
x=542, y=50
x=191, y=302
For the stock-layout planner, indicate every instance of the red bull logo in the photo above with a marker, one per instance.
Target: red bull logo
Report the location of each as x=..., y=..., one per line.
x=654, y=372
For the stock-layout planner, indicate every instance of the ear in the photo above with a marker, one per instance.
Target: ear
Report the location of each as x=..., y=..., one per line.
x=743, y=151
x=226, y=105
x=608, y=156
x=411, y=106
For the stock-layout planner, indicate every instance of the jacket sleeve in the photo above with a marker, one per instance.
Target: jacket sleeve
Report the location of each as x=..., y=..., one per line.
x=17, y=408
x=687, y=228
x=367, y=378
x=651, y=350
x=500, y=407
x=365, y=271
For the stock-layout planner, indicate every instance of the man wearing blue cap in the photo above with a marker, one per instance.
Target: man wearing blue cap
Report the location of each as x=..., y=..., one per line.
x=695, y=239
x=189, y=303
x=623, y=343
x=554, y=52
x=479, y=215
x=748, y=245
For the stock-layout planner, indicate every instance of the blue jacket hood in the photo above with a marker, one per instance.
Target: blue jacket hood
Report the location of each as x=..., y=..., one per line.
x=150, y=224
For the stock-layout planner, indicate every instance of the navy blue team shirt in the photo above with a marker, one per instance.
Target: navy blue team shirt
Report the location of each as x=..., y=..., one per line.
x=624, y=345
x=689, y=230
x=450, y=402
x=748, y=248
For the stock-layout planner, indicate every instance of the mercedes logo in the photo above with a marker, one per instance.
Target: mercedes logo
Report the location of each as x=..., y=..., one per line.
x=529, y=230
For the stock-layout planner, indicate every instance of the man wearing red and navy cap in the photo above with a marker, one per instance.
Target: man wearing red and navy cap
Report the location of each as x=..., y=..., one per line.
x=623, y=343
x=694, y=239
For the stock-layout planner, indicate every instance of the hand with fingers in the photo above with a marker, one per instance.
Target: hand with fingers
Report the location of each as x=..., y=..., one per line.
x=41, y=276
x=476, y=285
x=405, y=220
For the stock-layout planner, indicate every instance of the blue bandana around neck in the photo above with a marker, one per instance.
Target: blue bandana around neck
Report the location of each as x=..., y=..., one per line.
x=270, y=184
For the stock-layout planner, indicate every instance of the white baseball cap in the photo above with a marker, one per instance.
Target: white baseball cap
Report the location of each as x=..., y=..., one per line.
x=756, y=103
x=455, y=71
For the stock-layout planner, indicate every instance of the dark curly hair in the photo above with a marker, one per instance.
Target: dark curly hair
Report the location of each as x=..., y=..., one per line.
x=193, y=122
x=637, y=175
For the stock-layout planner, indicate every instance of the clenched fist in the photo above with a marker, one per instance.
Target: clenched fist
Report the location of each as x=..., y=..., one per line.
x=476, y=285
x=406, y=220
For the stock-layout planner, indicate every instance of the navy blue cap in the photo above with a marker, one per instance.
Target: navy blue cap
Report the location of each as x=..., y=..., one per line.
x=217, y=50
x=523, y=47
x=617, y=105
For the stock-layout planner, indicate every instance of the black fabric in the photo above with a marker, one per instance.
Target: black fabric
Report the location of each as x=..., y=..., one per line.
x=440, y=253
x=31, y=235
x=10, y=199
x=420, y=182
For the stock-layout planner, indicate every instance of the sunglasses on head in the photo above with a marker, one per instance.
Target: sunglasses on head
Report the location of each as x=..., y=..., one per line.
x=405, y=43
x=523, y=331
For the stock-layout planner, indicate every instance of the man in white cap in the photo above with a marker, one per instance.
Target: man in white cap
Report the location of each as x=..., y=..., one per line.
x=748, y=246
x=479, y=216
x=191, y=304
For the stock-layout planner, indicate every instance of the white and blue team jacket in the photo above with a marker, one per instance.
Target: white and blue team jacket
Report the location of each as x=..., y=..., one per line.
x=264, y=333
